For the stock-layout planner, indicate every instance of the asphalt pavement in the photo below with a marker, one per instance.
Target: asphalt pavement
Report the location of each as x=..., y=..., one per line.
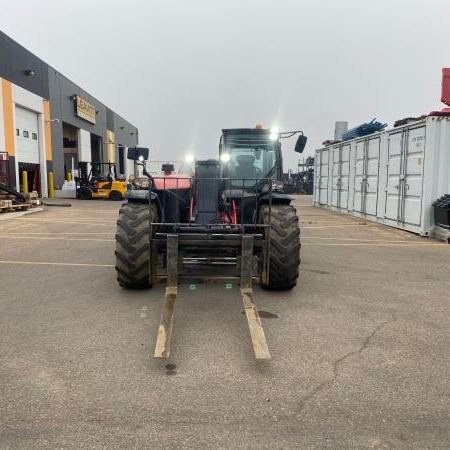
x=360, y=348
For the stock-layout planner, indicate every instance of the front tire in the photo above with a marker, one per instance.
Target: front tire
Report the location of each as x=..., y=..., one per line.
x=85, y=193
x=132, y=245
x=284, y=253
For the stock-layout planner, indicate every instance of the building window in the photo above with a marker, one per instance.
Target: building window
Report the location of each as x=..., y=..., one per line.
x=17, y=132
x=25, y=134
x=34, y=136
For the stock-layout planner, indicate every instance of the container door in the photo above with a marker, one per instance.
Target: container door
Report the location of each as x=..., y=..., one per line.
x=358, y=186
x=395, y=152
x=323, y=179
x=371, y=176
x=335, y=176
x=317, y=169
x=344, y=171
x=413, y=176
x=367, y=158
x=404, y=176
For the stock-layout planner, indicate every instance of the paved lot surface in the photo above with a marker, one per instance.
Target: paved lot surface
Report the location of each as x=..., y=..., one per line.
x=361, y=348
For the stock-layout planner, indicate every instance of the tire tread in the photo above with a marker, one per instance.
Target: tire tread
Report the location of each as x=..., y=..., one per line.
x=285, y=246
x=132, y=245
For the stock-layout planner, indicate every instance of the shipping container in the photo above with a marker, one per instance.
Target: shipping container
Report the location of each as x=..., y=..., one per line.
x=391, y=177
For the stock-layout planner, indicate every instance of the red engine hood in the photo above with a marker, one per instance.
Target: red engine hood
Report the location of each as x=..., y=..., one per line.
x=173, y=181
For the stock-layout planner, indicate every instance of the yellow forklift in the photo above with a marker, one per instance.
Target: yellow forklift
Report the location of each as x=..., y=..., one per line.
x=101, y=181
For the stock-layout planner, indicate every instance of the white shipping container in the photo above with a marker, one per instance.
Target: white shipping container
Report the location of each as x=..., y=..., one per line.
x=391, y=177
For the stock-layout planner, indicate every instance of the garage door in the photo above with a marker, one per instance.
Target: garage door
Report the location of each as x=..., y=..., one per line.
x=27, y=138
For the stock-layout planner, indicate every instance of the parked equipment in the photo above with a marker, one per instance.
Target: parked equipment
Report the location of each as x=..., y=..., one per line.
x=442, y=218
x=306, y=182
x=12, y=200
x=17, y=197
x=99, y=181
x=230, y=222
x=441, y=209
x=301, y=182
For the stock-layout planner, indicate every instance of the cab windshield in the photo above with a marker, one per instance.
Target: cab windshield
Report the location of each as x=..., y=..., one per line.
x=249, y=162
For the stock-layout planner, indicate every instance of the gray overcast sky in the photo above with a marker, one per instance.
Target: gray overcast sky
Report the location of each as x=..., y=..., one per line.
x=182, y=70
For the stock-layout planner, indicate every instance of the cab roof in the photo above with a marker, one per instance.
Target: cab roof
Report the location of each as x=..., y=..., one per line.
x=252, y=131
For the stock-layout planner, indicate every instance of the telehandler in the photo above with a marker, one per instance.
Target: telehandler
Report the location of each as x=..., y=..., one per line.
x=229, y=222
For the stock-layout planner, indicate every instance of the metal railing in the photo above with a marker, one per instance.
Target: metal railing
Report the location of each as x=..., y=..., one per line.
x=236, y=214
x=234, y=194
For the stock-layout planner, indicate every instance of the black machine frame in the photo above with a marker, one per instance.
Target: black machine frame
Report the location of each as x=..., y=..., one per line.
x=225, y=235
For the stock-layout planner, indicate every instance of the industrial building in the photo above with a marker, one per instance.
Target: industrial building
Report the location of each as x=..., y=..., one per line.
x=48, y=124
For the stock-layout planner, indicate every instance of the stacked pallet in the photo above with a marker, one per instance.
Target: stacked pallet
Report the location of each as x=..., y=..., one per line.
x=32, y=198
x=7, y=203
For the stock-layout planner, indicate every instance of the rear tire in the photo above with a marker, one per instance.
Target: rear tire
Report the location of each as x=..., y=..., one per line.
x=132, y=245
x=115, y=196
x=284, y=259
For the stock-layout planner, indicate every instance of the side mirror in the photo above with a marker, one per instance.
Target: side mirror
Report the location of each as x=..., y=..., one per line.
x=300, y=144
x=136, y=153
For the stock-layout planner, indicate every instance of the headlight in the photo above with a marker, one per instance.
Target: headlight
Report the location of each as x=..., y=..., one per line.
x=141, y=183
x=189, y=158
x=225, y=157
x=277, y=185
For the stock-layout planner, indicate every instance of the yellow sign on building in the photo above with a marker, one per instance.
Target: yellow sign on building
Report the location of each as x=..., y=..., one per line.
x=85, y=110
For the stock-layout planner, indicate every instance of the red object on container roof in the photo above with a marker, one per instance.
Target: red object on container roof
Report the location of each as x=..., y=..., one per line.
x=445, y=94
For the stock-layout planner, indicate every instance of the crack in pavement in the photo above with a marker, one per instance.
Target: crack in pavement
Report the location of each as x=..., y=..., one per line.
x=327, y=383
